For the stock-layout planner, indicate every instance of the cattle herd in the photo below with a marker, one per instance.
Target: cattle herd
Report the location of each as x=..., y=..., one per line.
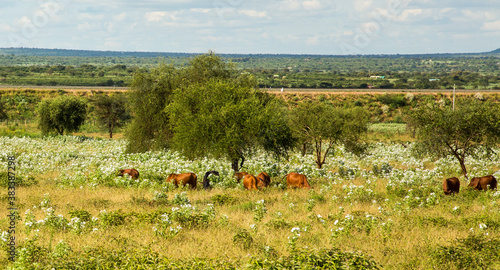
x=251, y=182
x=452, y=185
x=297, y=180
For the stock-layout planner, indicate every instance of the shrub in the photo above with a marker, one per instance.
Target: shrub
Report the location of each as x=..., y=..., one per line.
x=304, y=258
x=472, y=252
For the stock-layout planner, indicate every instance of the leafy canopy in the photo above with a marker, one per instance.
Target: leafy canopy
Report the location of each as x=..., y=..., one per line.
x=206, y=108
x=61, y=114
x=111, y=111
x=442, y=131
x=322, y=126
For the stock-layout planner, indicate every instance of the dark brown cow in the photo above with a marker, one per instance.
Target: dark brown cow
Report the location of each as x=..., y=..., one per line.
x=239, y=175
x=263, y=179
x=133, y=173
x=451, y=185
x=250, y=182
x=297, y=180
x=482, y=183
x=184, y=178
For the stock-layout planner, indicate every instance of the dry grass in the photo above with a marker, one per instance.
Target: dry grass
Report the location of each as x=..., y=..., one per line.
x=410, y=236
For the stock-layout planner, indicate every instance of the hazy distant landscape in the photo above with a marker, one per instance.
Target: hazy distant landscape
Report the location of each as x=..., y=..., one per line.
x=375, y=136
x=30, y=66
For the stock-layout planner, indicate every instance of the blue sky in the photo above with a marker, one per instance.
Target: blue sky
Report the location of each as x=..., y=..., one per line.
x=238, y=26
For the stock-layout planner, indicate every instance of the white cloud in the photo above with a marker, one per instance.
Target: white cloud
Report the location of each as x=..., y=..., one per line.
x=158, y=16
x=362, y=5
x=90, y=16
x=120, y=17
x=253, y=13
x=311, y=4
x=313, y=40
x=408, y=14
x=491, y=26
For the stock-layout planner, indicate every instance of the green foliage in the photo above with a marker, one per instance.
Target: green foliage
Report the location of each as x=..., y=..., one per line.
x=61, y=114
x=113, y=218
x=304, y=258
x=21, y=181
x=223, y=116
x=181, y=199
x=243, y=238
x=151, y=92
x=443, y=131
x=323, y=127
x=473, y=252
x=111, y=111
x=187, y=216
x=223, y=199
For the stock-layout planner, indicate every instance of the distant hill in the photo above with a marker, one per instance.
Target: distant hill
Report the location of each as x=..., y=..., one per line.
x=85, y=53
x=496, y=51
x=22, y=51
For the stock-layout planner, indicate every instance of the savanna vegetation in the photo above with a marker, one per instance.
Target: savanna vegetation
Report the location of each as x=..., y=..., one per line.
x=24, y=66
x=375, y=162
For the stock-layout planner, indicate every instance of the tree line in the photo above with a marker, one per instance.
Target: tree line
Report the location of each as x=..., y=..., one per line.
x=209, y=109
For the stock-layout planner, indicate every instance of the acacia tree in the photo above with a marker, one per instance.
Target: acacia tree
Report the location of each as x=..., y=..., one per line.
x=225, y=120
x=322, y=127
x=111, y=111
x=223, y=115
x=61, y=114
x=442, y=131
x=151, y=92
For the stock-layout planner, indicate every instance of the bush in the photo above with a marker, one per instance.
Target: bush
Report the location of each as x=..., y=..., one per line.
x=317, y=259
x=472, y=252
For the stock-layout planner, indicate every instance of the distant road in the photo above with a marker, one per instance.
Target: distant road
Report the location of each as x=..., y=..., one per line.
x=269, y=90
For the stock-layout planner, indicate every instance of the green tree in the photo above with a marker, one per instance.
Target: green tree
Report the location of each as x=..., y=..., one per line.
x=111, y=111
x=322, y=127
x=225, y=118
x=151, y=92
x=442, y=131
x=61, y=114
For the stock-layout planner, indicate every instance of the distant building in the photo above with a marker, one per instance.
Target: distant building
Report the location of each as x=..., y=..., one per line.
x=433, y=80
x=377, y=77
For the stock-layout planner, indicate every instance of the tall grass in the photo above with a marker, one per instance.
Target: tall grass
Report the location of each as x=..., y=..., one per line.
x=385, y=210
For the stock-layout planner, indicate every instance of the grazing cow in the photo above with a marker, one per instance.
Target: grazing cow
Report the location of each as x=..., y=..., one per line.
x=131, y=172
x=451, y=185
x=239, y=175
x=297, y=180
x=482, y=183
x=250, y=182
x=184, y=178
x=206, y=182
x=263, y=179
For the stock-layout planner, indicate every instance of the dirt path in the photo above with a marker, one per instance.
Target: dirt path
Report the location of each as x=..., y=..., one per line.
x=315, y=91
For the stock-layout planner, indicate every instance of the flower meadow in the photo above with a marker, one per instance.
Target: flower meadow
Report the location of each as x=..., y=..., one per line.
x=382, y=210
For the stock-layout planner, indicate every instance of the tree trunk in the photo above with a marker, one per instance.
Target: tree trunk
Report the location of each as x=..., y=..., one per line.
x=234, y=165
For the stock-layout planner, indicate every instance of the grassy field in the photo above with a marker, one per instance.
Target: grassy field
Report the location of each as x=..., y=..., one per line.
x=383, y=210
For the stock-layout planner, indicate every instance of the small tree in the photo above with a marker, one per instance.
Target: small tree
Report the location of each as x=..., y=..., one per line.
x=61, y=114
x=442, y=131
x=322, y=127
x=151, y=92
x=111, y=111
x=223, y=118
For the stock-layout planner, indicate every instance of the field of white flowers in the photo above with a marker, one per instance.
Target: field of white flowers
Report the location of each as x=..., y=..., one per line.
x=88, y=163
x=377, y=196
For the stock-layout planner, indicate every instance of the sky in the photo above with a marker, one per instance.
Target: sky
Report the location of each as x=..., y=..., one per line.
x=331, y=27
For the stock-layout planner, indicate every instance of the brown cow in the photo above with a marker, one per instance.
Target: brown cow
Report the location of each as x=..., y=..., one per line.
x=239, y=175
x=482, y=183
x=297, y=180
x=184, y=178
x=451, y=185
x=250, y=181
x=131, y=172
x=263, y=179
